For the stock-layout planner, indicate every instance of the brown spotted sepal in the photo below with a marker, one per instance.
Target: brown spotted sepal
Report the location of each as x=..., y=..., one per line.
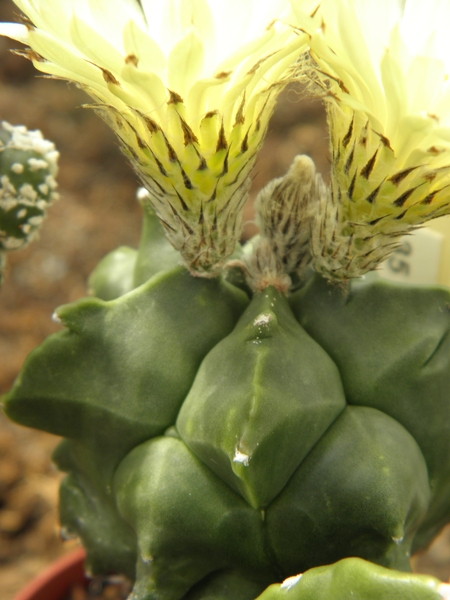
x=197, y=182
x=376, y=196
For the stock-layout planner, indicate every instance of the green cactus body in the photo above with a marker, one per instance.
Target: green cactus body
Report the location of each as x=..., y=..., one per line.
x=124, y=269
x=130, y=363
x=217, y=444
x=363, y=487
x=88, y=510
x=27, y=183
x=113, y=276
x=261, y=400
x=355, y=578
x=391, y=344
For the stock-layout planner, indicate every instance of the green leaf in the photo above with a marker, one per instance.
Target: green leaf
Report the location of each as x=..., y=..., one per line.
x=391, y=344
x=121, y=372
x=261, y=400
x=356, y=579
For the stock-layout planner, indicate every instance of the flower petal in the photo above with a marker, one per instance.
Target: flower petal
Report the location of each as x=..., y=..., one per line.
x=139, y=44
x=185, y=63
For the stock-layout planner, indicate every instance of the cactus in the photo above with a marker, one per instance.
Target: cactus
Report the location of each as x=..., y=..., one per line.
x=236, y=426
x=353, y=577
x=28, y=167
x=218, y=443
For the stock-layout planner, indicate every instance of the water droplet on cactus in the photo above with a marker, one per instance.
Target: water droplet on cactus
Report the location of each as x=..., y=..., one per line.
x=398, y=540
x=291, y=581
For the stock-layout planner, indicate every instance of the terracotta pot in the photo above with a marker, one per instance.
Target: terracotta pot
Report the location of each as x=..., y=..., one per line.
x=57, y=580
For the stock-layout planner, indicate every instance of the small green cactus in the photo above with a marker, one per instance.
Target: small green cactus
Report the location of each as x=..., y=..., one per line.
x=28, y=167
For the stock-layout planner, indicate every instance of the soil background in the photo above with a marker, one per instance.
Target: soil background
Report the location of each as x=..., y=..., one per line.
x=96, y=213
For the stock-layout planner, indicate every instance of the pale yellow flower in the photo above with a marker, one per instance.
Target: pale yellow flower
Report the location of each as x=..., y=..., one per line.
x=384, y=68
x=187, y=85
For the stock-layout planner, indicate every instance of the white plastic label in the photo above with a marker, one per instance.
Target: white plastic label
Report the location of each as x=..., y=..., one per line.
x=417, y=260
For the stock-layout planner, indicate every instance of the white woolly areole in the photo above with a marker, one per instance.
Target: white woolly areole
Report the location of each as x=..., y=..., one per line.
x=29, y=140
x=17, y=168
x=240, y=457
x=262, y=320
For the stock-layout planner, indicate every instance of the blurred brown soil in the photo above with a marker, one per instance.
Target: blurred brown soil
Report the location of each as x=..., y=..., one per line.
x=97, y=212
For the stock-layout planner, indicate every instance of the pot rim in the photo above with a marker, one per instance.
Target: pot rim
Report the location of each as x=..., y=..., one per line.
x=56, y=580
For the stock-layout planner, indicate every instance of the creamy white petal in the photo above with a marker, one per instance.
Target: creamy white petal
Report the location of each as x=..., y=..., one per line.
x=148, y=54
x=197, y=14
x=150, y=85
x=185, y=64
x=110, y=22
x=15, y=31
x=251, y=50
x=94, y=47
x=201, y=96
